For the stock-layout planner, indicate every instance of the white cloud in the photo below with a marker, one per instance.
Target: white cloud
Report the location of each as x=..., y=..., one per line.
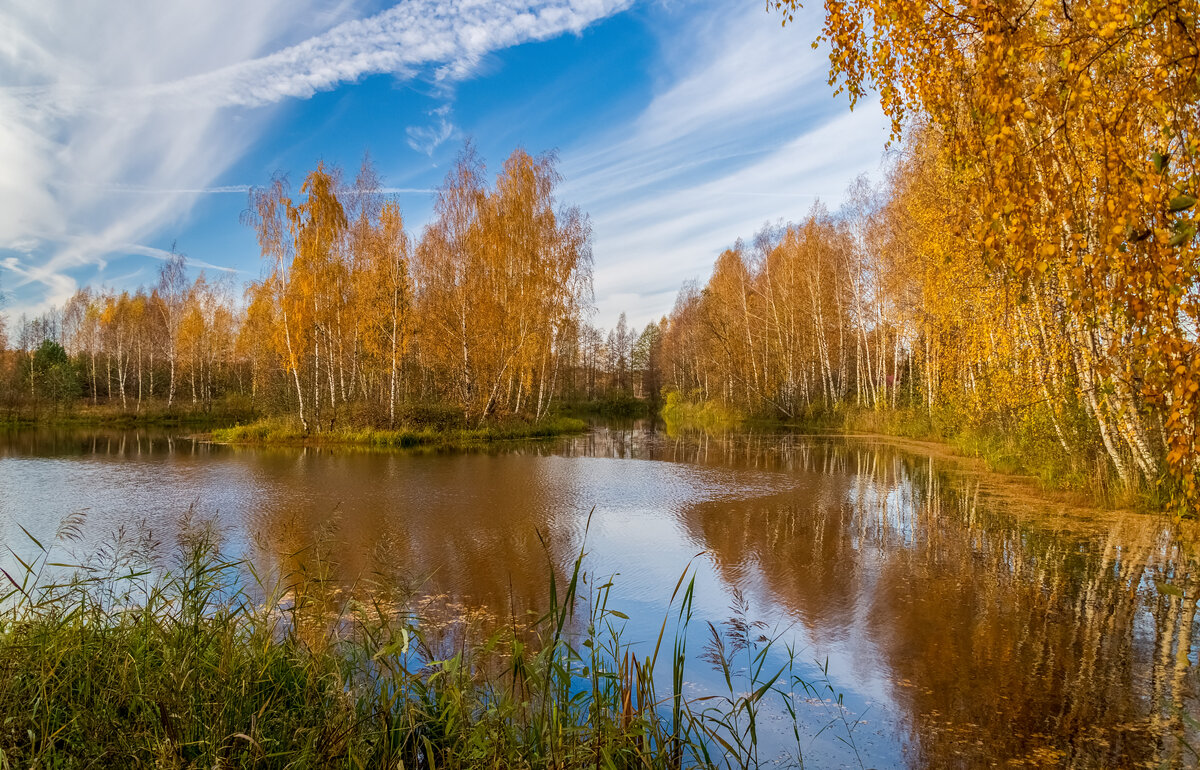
x=115, y=117
x=744, y=131
x=410, y=35
x=426, y=139
x=163, y=255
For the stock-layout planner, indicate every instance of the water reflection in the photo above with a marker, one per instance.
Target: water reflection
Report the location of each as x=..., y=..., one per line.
x=980, y=625
x=1004, y=634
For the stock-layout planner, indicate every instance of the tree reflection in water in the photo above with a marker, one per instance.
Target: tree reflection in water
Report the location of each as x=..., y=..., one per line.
x=1011, y=629
x=994, y=626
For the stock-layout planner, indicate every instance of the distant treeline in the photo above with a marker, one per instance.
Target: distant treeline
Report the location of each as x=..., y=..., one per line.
x=354, y=320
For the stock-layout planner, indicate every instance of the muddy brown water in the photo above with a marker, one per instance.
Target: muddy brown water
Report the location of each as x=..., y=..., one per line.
x=963, y=624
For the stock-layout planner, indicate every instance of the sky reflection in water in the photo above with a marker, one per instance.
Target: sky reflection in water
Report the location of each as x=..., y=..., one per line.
x=965, y=622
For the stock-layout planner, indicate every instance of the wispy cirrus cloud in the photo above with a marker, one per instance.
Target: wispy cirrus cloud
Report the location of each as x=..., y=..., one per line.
x=116, y=117
x=454, y=36
x=425, y=139
x=162, y=255
x=743, y=131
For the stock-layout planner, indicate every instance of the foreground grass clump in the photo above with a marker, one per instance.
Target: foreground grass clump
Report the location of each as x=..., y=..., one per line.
x=282, y=431
x=124, y=667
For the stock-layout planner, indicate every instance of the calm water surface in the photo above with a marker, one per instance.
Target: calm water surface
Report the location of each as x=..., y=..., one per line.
x=965, y=624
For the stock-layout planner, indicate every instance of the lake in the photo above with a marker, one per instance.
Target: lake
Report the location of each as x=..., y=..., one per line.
x=963, y=620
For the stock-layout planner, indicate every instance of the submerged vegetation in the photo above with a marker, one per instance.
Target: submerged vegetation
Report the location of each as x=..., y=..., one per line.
x=126, y=665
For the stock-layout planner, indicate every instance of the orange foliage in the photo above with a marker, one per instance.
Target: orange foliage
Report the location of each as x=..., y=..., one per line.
x=1068, y=125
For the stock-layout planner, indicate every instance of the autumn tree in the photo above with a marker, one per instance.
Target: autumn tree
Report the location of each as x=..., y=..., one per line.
x=352, y=319
x=301, y=241
x=500, y=275
x=1066, y=125
x=3, y=325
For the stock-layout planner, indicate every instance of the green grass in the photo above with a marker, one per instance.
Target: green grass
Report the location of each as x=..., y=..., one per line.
x=122, y=667
x=285, y=431
x=682, y=414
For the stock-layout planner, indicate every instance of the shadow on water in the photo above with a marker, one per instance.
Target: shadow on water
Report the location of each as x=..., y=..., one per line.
x=974, y=625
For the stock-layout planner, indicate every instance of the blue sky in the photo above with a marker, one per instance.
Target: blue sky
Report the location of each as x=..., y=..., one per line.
x=680, y=126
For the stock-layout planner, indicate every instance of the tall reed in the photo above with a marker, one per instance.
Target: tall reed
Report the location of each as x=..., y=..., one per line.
x=202, y=663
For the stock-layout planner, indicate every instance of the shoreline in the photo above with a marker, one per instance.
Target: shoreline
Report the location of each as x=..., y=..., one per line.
x=1002, y=456
x=1082, y=481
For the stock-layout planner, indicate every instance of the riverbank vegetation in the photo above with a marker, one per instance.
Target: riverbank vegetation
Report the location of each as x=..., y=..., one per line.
x=124, y=665
x=857, y=322
x=1029, y=273
x=151, y=414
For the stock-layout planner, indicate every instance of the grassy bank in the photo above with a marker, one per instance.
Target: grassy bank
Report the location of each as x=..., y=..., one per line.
x=1032, y=454
x=680, y=414
x=287, y=432
x=1035, y=455
x=119, y=668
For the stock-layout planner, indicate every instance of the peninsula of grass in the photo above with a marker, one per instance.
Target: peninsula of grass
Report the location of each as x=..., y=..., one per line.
x=286, y=432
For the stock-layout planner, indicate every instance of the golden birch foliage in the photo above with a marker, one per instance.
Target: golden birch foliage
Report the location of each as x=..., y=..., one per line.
x=269, y=212
x=255, y=342
x=773, y=327
x=481, y=310
x=726, y=317
x=1074, y=118
x=500, y=273
x=964, y=313
x=318, y=273
x=350, y=318
x=448, y=280
x=383, y=299
x=304, y=244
